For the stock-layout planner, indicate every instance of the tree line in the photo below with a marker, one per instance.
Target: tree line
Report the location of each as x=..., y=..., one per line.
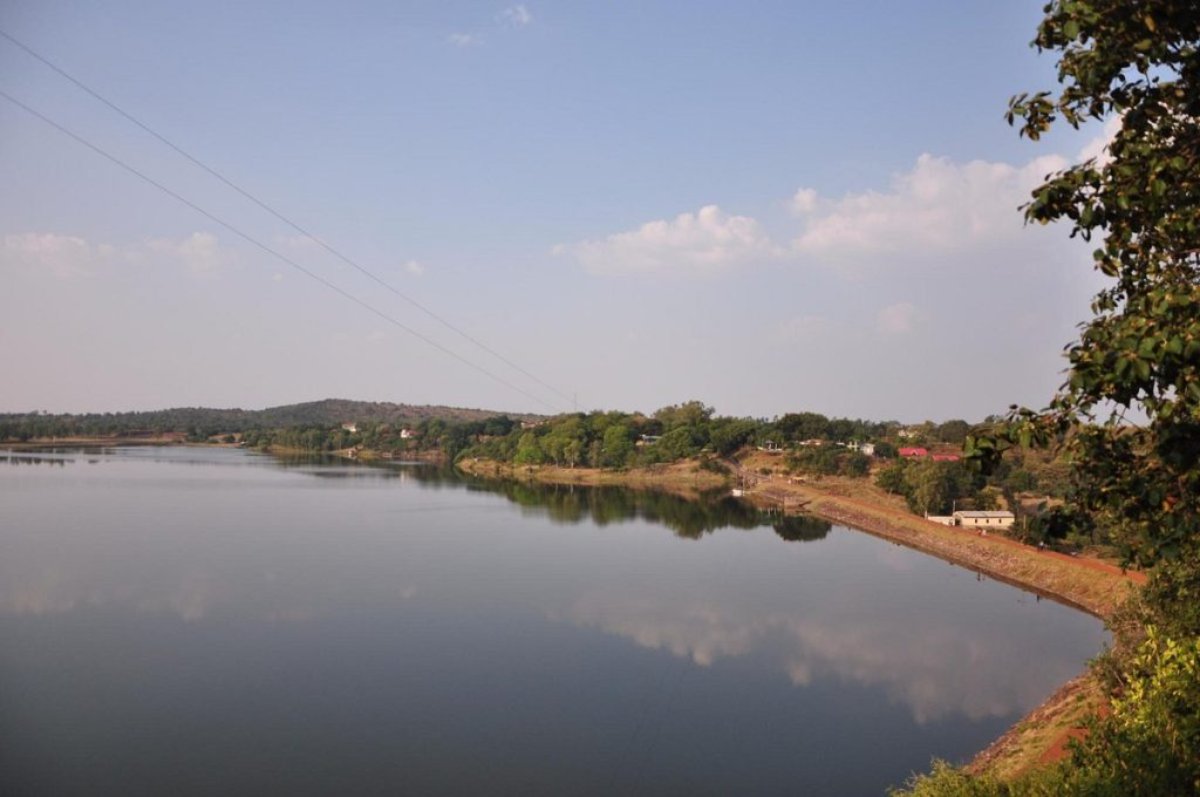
x=678, y=431
x=202, y=422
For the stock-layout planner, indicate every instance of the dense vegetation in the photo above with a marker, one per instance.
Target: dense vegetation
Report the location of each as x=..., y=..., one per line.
x=809, y=444
x=1031, y=484
x=679, y=431
x=202, y=423
x=1134, y=473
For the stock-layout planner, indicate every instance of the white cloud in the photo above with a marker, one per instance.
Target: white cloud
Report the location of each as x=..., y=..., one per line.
x=939, y=212
x=938, y=206
x=199, y=252
x=64, y=256
x=897, y=319
x=518, y=16
x=415, y=268
x=804, y=201
x=515, y=16
x=67, y=256
x=1098, y=147
x=705, y=241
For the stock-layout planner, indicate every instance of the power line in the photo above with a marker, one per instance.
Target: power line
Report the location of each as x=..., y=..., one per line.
x=274, y=253
x=327, y=247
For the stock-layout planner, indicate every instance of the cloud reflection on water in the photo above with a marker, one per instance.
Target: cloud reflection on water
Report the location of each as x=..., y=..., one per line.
x=933, y=668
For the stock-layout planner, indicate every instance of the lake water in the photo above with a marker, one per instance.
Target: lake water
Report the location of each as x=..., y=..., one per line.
x=191, y=621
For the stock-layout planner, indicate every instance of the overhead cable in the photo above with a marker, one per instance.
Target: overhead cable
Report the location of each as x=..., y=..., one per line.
x=273, y=252
x=281, y=217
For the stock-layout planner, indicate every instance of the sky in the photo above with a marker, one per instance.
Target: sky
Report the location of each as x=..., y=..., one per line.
x=768, y=206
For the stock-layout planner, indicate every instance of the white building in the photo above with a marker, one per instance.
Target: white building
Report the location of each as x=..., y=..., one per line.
x=985, y=520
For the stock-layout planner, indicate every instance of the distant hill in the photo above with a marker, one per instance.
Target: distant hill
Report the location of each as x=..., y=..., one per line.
x=328, y=412
x=332, y=411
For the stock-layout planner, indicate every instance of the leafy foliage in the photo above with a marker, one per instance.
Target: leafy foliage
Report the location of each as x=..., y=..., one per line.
x=1146, y=748
x=929, y=486
x=1136, y=61
x=681, y=431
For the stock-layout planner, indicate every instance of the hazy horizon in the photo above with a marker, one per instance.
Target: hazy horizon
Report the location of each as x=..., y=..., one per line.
x=633, y=410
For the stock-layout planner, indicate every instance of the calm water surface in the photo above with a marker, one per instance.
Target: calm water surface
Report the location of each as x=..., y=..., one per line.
x=190, y=621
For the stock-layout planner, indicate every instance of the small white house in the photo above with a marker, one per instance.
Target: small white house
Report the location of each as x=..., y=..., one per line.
x=985, y=520
x=407, y=434
x=350, y=427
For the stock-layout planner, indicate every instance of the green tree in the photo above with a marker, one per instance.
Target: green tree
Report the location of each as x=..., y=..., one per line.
x=680, y=442
x=892, y=478
x=933, y=487
x=797, y=426
x=855, y=464
x=955, y=431
x=926, y=488
x=1139, y=63
x=618, y=445
x=818, y=460
x=1129, y=411
x=1149, y=746
x=529, y=451
x=729, y=435
x=573, y=451
x=690, y=413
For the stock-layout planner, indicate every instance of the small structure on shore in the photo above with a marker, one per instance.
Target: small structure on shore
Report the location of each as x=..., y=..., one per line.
x=977, y=519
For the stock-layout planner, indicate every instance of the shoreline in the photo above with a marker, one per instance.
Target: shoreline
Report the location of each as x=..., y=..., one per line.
x=1086, y=584
x=681, y=478
x=1083, y=583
